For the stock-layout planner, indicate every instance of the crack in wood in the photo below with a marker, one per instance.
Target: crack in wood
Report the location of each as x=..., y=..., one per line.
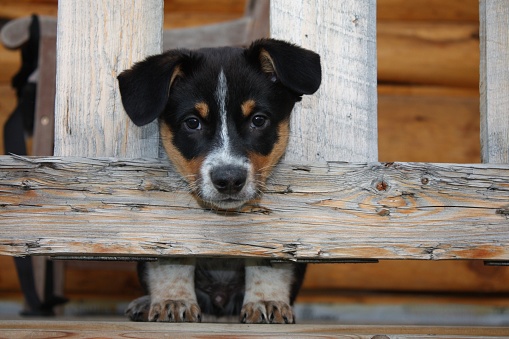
x=331, y=210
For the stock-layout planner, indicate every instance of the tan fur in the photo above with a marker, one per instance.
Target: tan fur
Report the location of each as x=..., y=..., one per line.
x=189, y=169
x=263, y=164
x=203, y=109
x=248, y=107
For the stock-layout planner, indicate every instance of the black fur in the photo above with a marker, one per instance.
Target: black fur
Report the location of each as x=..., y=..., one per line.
x=146, y=92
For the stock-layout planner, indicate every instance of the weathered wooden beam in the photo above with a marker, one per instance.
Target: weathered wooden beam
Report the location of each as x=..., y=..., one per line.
x=428, y=53
x=319, y=211
x=101, y=328
x=339, y=122
x=494, y=80
x=96, y=40
x=428, y=10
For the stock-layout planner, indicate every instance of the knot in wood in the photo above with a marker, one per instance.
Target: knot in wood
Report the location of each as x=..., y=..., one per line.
x=381, y=186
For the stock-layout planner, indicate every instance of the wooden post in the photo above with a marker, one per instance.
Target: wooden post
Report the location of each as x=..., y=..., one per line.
x=494, y=80
x=96, y=41
x=340, y=121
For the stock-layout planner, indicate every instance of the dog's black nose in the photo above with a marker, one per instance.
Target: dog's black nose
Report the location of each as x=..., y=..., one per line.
x=228, y=179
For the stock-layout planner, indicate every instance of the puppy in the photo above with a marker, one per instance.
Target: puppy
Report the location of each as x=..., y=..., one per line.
x=224, y=119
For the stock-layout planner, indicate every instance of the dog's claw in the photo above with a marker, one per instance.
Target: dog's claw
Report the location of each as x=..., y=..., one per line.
x=138, y=309
x=174, y=311
x=142, y=309
x=256, y=313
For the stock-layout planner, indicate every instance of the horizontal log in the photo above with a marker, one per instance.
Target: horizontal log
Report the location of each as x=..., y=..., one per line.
x=446, y=278
x=428, y=10
x=219, y=6
x=417, y=300
x=321, y=211
x=16, y=8
x=428, y=53
x=116, y=329
x=428, y=124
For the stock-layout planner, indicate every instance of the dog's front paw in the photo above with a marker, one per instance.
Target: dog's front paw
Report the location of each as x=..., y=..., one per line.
x=138, y=309
x=174, y=311
x=267, y=312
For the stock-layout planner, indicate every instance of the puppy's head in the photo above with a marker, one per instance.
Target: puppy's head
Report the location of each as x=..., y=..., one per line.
x=224, y=112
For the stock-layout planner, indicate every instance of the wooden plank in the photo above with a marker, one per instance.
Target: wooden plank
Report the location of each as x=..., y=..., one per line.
x=123, y=329
x=44, y=121
x=89, y=117
x=320, y=211
x=494, y=81
x=428, y=10
x=428, y=53
x=343, y=33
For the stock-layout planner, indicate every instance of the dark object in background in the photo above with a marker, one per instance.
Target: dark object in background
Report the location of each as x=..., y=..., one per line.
x=19, y=124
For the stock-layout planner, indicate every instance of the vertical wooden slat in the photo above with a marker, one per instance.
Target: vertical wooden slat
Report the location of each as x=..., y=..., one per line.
x=494, y=80
x=44, y=124
x=96, y=40
x=339, y=122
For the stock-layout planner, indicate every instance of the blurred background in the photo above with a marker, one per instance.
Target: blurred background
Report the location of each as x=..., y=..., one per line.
x=428, y=107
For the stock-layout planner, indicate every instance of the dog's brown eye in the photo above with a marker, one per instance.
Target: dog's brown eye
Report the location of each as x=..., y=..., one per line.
x=259, y=120
x=193, y=123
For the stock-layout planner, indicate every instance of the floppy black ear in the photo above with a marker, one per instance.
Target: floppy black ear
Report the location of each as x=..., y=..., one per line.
x=295, y=67
x=145, y=87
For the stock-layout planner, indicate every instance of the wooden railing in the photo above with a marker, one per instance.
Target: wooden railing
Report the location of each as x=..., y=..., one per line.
x=317, y=207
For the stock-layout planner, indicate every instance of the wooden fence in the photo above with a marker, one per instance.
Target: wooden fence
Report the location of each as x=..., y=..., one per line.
x=329, y=200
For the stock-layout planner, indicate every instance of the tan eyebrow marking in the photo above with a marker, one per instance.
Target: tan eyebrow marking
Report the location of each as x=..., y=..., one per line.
x=203, y=109
x=248, y=107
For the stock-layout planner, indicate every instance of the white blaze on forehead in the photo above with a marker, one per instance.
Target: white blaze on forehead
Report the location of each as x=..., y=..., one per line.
x=222, y=155
x=221, y=98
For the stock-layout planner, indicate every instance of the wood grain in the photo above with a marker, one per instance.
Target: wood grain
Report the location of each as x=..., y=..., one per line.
x=339, y=121
x=454, y=278
x=124, y=329
x=428, y=10
x=320, y=211
x=429, y=53
x=494, y=81
x=95, y=42
x=428, y=124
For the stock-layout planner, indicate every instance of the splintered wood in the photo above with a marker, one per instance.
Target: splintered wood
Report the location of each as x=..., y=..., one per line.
x=320, y=211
